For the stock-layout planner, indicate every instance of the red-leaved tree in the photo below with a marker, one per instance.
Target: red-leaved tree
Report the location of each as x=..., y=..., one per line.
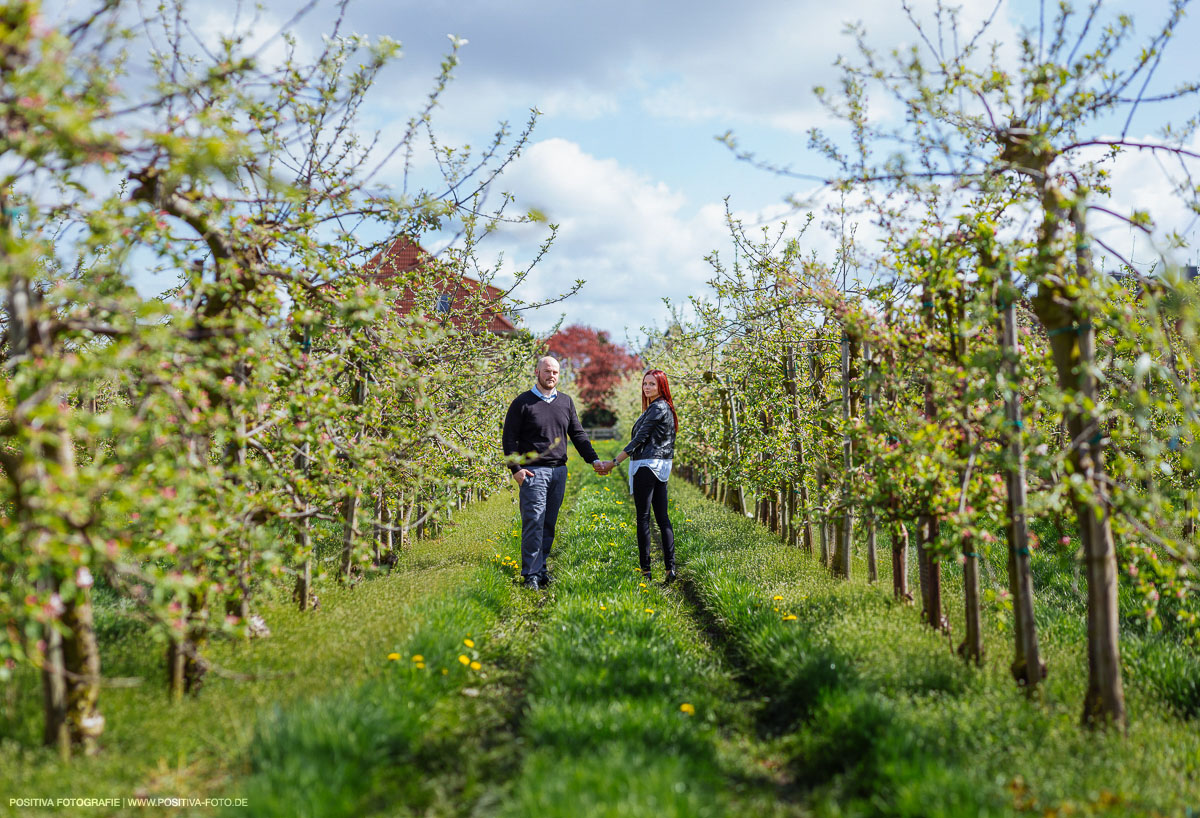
x=597, y=363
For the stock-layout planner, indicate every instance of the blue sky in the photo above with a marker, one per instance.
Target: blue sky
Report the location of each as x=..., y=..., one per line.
x=633, y=93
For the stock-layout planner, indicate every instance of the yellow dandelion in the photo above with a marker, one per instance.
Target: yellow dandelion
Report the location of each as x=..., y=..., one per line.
x=420, y=665
x=444, y=671
x=789, y=618
x=475, y=666
x=464, y=659
x=687, y=709
x=641, y=585
x=650, y=610
x=777, y=598
x=603, y=608
x=393, y=657
x=469, y=643
x=418, y=657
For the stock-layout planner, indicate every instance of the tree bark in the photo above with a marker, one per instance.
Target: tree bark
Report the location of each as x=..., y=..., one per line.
x=900, y=562
x=737, y=448
x=930, y=572
x=971, y=648
x=350, y=525
x=872, y=556
x=1073, y=344
x=56, y=733
x=81, y=659
x=803, y=514
x=351, y=502
x=845, y=523
x=929, y=568
x=1027, y=668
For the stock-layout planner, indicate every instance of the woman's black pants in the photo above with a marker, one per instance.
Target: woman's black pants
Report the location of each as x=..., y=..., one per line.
x=651, y=493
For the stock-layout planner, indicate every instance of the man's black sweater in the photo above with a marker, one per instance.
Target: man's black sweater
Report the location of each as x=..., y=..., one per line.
x=534, y=426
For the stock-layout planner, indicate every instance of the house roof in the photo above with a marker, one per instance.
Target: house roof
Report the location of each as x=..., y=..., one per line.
x=404, y=255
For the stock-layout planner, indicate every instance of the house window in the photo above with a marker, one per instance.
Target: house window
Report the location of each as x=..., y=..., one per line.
x=444, y=302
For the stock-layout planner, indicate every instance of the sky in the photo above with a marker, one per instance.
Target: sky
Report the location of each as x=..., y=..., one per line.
x=625, y=158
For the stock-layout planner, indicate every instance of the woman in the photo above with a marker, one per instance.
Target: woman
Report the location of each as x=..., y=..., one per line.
x=650, y=451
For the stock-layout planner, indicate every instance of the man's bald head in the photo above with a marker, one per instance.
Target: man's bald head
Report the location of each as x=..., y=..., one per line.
x=546, y=371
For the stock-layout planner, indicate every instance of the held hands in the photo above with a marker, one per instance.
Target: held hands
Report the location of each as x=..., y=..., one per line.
x=602, y=467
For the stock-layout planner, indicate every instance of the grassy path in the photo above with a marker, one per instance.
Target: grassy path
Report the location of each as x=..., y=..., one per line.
x=873, y=714
x=630, y=711
x=327, y=711
x=758, y=685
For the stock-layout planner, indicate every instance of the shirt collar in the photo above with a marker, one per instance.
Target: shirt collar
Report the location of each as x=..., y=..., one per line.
x=547, y=398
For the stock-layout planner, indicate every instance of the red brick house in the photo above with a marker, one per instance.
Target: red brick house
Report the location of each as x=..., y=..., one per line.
x=466, y=302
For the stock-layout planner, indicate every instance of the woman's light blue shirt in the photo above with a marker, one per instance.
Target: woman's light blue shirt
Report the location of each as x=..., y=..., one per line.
x=660, y=467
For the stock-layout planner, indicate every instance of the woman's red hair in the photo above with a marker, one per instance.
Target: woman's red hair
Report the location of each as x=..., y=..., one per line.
x=664, y=391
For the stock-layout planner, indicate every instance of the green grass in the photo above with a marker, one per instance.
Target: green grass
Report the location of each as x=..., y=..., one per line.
x=832, y=700
x=878, y=717
x=619, y=660
x=311, y=664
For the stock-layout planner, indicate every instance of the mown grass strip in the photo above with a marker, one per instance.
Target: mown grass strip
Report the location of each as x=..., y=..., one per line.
x=878, y=717
x=626, y=704
x=432, y=733
x=206, y=745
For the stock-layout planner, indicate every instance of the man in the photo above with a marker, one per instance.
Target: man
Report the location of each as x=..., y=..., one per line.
x=538, y=424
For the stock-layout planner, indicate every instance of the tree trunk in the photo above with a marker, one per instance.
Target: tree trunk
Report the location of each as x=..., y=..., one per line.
x=350, y=523
x=868, y=407
x=57, y=734
x=350, y=504
x=872, y=559
x=971, y=648
x=81, y=659
x=195, y=637
x=803, y=514
x=900, y=562
x=406, y=523
x=74, y=657
x=386, y=535
x=238, y=603
x=1027, y=667
x=929, y=568
x=175, y=674
x=823, y=525
x=377, y=529
x=1073, y=342
x=845, y=525
x=930, y=574
x=737, y=447
x=303, y=593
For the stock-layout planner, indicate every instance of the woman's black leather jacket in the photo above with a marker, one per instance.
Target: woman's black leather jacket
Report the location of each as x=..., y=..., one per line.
x=653, y=433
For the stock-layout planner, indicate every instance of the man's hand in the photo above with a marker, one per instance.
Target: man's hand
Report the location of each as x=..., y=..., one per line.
x=521, y=474
x=602, y=467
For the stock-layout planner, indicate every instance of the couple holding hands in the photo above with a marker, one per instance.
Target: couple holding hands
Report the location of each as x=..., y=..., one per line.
x=539, y=423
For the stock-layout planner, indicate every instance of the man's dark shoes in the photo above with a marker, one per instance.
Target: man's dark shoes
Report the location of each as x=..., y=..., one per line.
x=671, y=576
x=531, y=582
x=545, y=578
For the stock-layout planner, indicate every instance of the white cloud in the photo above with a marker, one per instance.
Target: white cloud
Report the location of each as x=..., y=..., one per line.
x=634, y=240
x=1146, y=180
x=259, y=33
